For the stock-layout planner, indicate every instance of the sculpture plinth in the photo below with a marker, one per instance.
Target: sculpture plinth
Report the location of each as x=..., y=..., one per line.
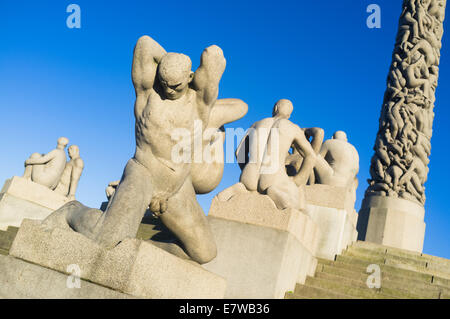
x=21, y=198
x=134, y=267
x=262, y=251
x=332, y=209
x=392, y=222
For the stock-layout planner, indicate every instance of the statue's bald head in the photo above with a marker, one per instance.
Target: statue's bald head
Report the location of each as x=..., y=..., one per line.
x=340, y=135
x=62, y=142
x=174, y=73
x=74, y=151
x=283, y=108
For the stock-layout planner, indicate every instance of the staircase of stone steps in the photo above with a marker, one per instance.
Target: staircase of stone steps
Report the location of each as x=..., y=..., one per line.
x=403, y=274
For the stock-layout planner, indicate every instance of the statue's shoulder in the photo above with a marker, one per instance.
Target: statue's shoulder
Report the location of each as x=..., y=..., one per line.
x=336, y=144
x=354, y=151
x=286, y=124
x=264, y=123
x=78, y=162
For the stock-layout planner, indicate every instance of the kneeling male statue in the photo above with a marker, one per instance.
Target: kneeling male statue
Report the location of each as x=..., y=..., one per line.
x=169, y=96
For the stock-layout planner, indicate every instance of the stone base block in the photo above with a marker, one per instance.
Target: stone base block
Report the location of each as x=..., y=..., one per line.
x=331, y=208
x=392, y=222
x=133, y=267
x=13, y=210
x=262, y=251
x=331, y=196
x=23, y=280
x=21, y=198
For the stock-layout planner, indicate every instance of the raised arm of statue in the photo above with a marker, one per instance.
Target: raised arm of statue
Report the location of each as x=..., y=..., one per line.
x=147, y=54
x=41, y=160
x=317, y=135
x=302, y=145
x=207, y=78
x=226, y=111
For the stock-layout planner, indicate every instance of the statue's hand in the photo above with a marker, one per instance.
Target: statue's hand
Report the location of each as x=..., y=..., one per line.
x=212, y=56
x=158, y=205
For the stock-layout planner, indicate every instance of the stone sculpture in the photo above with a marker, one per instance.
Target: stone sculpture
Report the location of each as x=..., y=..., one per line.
x=46, y=169
x=169, y=97
x=71, y=175
x=111, y=189
x=264, y=152
x=399, y=165
x=338, y=163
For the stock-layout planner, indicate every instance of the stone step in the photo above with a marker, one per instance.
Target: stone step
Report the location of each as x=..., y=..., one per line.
x=440, y=267
x=375, y=256
x=291, y=295
x=353, y=264
x=400, y=263
x=387, y=270
x=445, y=295
x=308, y=292
x=404, y=274
x=6, y=240
x=381, y=248
x=433, y=266
x=387, y=287
x=397, y=268
x=437, y=260
x=388, y=280
x=400, y=252
x=339, y=287
x=321, y=261
x=8, y=233
x=441, y=281
x=12, y=229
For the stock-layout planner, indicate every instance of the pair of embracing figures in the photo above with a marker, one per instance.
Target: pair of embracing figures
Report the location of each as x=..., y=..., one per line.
x=277, y=158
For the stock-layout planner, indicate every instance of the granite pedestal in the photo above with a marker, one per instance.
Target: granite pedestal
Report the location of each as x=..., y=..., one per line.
x=133, y=267
x=21, y=198
x=332, y=209
x=262, y=251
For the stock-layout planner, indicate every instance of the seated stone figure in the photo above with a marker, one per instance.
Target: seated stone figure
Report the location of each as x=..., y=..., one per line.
x=169, y=97
x=46, y=169
x=269, y=142
x=71, y=175
x=338, y=163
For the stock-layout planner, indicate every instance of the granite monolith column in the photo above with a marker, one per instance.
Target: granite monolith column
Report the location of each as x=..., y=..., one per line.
x=392, y=212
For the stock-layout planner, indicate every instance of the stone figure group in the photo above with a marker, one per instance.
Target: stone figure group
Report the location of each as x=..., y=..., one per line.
x=277, y=158
x=399, y=167
x=293, y=203
x=52, y=170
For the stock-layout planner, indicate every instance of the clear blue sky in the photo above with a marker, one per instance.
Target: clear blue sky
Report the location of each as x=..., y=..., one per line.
x=56, y=81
